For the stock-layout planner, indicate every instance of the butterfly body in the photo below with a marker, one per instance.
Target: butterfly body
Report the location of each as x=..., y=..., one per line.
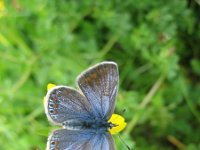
x=96, y=124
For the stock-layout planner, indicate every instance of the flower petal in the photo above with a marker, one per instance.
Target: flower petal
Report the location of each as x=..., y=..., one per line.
x=50, y=85
x=119, y=121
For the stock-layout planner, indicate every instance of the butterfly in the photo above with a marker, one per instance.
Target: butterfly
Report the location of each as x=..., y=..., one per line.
x=85, y=114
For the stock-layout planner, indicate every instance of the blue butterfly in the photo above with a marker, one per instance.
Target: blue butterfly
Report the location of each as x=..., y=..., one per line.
x=84, y=114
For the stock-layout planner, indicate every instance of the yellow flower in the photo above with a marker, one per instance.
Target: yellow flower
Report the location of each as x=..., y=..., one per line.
x=119, y=121
x=2, y=8
x=115, y=119
x=50, y=85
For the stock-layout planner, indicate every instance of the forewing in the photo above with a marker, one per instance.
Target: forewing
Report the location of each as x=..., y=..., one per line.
x=100, y=84
x=64, y=103
x=64, y=139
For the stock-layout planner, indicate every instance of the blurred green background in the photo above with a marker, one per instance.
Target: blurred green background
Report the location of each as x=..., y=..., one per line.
x=155, y=43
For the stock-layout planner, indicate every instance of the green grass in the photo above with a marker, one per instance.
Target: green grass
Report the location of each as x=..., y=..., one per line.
x=156, y=46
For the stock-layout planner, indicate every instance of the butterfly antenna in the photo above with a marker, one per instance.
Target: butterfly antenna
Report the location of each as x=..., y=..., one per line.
x=123, y=111
x=124, y=142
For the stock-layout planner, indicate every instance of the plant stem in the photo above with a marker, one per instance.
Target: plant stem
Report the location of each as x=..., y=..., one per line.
x=147, y=99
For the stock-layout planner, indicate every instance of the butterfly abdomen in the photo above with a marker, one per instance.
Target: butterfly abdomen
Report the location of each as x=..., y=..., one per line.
x=73, y=125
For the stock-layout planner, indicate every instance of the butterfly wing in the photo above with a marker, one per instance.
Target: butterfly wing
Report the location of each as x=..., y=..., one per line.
x=63, y=139
x=64, y=103
x=100, y=84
